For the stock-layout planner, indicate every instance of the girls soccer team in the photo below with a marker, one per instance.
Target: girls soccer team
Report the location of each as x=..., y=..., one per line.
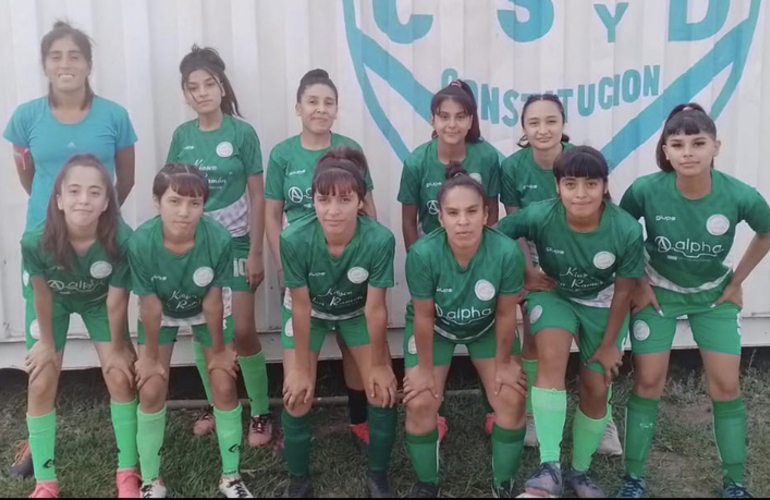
x=576, y=264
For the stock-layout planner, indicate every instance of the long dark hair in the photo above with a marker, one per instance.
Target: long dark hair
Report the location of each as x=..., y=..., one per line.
x=461, y=93
x=63, y=30
x=582, y=162
x=208, y=59
x=687, y=119
x=524, y=142
x=56, y=239
x=341, y=169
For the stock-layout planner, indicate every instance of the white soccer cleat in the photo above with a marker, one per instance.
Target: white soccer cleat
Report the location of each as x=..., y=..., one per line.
x=530, y=440
x=233, y=487
x=155, y=489
x=610, y=444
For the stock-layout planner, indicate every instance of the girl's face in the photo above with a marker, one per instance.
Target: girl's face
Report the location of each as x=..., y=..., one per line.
x=451, y=122
x=83, y=197
x=463, y=215
x=691, y=155
x=180, y=214
x=317, y=109
x=543, y=125
x=338, y=211
x=203, y=92
x=66, y=66
x=582, y=196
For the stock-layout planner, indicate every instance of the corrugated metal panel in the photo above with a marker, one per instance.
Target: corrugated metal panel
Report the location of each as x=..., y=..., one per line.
x=387, y=57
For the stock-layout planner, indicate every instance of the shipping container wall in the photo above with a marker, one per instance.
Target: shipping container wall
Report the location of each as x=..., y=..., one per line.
x=619, y=67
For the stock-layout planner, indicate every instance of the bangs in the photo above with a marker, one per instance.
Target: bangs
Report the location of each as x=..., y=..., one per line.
x=456, y=94
x=690, y=122
x=189, y=185
x=579, y=162
x=337, y=182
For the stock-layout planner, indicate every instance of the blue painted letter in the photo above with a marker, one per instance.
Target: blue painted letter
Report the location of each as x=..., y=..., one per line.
x=679, y=30
x=537, y=26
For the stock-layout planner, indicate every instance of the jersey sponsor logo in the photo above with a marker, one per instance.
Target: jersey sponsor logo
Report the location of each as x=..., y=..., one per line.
x=225, y=149
x=432, y=207
x=604, y=260
x=181, y=301
x=477, y=177
x=412, y=347
x=158, y=278
x=485, y=290
x=641, y=330
x=188, y=148
x=717, y=225
x=317, y=275
x=665, y=218
x=580, y=280
x=688, y=248
x=101, y=270
x=524, y=187
x=535, y=314
x=358, y=275
x=296, y=195
x=82, y=286
x=443, y=290
x=461, y=315
x=433, y=184
x=554, y=250
x=297, y=172
x=337, y=298
x=34, y=330
x=203, y=276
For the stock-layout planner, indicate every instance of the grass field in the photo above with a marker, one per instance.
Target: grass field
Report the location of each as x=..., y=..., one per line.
x=683, y=462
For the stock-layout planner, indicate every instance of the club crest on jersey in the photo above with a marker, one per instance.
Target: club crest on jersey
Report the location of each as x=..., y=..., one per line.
x=604, y=260
x=358, y=275
x=641, y=331
x=432, y=207
x=101, y=270
x=225, y=149
x=718, y=225
x=535, y=314
x=484, y=290
x=203, y=276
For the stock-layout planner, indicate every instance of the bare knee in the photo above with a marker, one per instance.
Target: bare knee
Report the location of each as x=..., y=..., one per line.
x=43, y=389
x=247, y=341
x=650, y=385
x=423, y=410
x=119, y=385
x=153, y=395
x=724, y=388
x=510, y=407
x=300, y=409
x=223, y=390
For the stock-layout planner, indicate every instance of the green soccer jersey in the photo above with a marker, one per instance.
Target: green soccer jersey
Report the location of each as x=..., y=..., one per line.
x=181, y=281
x=688, y=241
x=228, y=156
x=423, y=174
x=290, y=173
x=465, y=299
x=524, y=182
x=90, y=275
x=337, y=285
x=584, y=264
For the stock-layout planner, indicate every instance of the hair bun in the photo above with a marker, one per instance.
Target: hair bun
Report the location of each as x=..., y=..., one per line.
x=455, y=169
x=315, y=73
x=206, y=55
x=62, y=25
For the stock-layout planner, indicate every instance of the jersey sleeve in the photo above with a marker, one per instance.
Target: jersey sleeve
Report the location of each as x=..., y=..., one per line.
x=223, y=272
x=516, y=225
x=755, y=211
x=125, y=136
x=31, y=256
x=409, y=191
x=513, y=266
x=492, y=188
x=173, y=149
x=276, y=171
x=141, y=276
x=381, y=275
x=419, y=278
x=509, y=196
x=251, y=152
x=631, y=258
x=632, y=202
x=17, y=131
x=294, y=263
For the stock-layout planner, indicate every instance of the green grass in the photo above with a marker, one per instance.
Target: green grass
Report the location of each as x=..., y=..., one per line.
x=683, y=462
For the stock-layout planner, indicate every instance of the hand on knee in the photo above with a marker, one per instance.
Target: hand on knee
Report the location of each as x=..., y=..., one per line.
x=422, y=413
x=299, y=410
x=121, y=388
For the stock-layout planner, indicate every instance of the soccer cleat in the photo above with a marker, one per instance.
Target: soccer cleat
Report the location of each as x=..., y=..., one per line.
x=22, y=467
x=155, y=489
x=424, y=490
x=46, y=489
x=610, y=444
x=129, y=483
x=735, y=490
x=205, y=424
x=530, y=439
x=233, y=487
x=378, y=485
x=260, y=431
x=299, y=487
x=546, y=482
x=632, y=487
x=505, y=490
x=583, y=485
x=361, y=432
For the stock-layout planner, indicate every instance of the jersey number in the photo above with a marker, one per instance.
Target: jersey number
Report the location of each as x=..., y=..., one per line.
x=239, y=267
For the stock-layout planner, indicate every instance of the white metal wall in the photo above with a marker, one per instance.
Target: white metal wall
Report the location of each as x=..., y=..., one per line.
x=387, y=57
